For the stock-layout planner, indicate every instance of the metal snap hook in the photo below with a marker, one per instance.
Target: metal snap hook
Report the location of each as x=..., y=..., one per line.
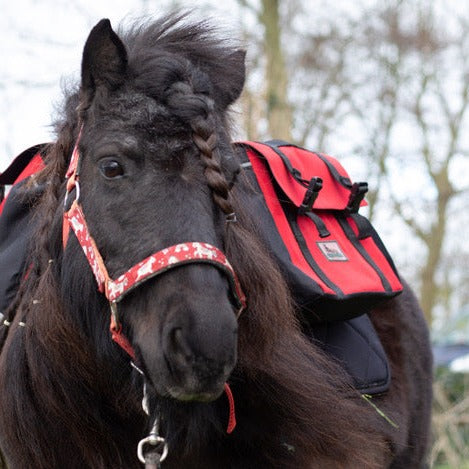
x=153, y=439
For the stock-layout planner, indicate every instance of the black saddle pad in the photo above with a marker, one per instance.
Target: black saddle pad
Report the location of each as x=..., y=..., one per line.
x=356, y=345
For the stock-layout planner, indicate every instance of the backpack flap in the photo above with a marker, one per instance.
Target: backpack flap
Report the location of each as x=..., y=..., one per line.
x=313, y=204
x=294, y=172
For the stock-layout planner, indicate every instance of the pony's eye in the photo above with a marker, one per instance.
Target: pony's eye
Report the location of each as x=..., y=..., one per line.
x=111, y=169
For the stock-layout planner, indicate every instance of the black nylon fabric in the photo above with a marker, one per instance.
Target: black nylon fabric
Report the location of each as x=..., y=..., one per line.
x=15, y=233
x=356, y=346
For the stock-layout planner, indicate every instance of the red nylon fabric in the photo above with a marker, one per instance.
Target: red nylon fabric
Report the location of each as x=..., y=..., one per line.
x=35, y=165
x=280, y=220
x=353, y=275
x=232, y=415
x=337, y=264
x=76, y=220
x=73, y=165
x=332, y=195
x=377, y=254
x=167, y=258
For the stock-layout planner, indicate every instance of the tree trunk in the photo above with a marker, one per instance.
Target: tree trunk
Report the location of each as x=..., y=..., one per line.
x=429, y=288
x=279, y=115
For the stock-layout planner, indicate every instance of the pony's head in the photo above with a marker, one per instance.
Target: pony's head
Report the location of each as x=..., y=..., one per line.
x=155, y=170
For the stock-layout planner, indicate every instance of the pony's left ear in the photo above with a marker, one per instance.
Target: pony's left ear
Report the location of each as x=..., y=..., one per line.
x=104, y=61
x=230, y=82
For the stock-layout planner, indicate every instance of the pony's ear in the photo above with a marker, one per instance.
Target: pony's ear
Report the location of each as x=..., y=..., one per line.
x=231, y=81
x=104, y=61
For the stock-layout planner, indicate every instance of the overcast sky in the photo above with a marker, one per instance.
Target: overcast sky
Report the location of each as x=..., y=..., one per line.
x=41, y=42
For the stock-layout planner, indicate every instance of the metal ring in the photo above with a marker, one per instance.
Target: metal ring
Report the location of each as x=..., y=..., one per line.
x=154, y=441
x=77, y=190
x=76, y=186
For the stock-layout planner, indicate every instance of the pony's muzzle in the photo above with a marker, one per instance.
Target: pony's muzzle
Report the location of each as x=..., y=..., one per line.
x=200, y=360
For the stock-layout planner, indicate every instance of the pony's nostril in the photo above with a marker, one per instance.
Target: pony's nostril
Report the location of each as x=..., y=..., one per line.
x=179, y=347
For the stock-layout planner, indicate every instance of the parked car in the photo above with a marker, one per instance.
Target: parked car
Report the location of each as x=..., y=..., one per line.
x=451, y=342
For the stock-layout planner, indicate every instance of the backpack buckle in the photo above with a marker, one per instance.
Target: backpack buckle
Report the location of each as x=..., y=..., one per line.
x=312, y=192
x=357, y=194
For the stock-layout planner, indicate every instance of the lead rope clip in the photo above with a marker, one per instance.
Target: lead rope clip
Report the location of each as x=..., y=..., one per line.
x=153, y=449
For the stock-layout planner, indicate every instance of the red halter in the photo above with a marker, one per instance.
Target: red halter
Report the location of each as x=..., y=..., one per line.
x=157, y=263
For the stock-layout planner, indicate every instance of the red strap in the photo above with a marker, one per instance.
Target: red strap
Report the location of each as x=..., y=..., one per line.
x=75, y=218
x=161, y=261
x=34, y=166
x=73, y=165
x=121, y=339
x=232, y=415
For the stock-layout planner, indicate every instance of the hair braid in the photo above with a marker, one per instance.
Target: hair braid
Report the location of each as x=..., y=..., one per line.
x=215, y=178
x=197, y=110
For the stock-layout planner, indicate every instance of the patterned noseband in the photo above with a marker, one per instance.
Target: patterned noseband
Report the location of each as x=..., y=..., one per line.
x=156, y=264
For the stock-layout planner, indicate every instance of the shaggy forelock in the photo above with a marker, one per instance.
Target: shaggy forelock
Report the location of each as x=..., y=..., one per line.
x=173, y=49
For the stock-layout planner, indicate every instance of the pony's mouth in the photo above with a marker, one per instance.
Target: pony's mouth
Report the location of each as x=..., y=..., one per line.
x=183, y=396
x=203, y=382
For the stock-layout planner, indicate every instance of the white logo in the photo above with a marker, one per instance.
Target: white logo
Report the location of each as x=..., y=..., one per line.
x=332, y=250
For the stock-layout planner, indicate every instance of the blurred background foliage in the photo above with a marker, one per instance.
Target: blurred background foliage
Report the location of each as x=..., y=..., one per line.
x=382, y=85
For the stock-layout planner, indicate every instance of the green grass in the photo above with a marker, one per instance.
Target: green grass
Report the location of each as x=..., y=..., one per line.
x=446, y=466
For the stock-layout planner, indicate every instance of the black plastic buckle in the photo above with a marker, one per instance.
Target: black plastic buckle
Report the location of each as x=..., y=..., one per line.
x=312, y=192
x=357, y=194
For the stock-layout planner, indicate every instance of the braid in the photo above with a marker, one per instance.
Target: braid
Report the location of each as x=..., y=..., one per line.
x=215, y=178
x=197, y=110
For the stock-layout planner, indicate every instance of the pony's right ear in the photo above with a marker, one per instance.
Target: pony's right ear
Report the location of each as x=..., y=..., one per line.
x=104, y=60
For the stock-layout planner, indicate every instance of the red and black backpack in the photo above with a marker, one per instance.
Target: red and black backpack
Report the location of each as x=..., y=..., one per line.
x=307, y=207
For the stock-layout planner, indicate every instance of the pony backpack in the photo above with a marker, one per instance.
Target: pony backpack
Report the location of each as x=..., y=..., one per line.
x=332, y=258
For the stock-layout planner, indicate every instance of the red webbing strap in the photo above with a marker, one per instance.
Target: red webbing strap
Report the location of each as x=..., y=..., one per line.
x=166, y=259
x=232, y=415
x=72, y=170
x=76, y=220
x=119, y=338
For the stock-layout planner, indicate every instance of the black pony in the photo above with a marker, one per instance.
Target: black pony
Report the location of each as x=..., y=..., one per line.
x=157, y=169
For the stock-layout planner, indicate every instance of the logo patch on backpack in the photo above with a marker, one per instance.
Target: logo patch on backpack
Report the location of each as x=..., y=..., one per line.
x=332, y=250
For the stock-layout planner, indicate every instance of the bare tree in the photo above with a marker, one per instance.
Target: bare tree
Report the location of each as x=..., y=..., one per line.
x=439, y=113
x=385, y=71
